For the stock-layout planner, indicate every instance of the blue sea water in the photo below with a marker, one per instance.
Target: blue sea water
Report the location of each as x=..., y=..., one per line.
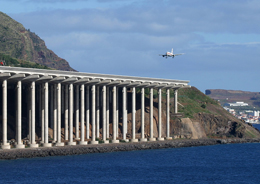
x=232, y=163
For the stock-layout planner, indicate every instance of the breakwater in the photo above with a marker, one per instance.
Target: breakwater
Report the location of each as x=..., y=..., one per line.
x=103, y=148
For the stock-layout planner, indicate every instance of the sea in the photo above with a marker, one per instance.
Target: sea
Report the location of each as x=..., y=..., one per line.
x=228, y=163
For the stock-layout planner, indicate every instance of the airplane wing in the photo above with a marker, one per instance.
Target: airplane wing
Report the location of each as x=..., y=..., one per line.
x=163, y=55
x=178, y=54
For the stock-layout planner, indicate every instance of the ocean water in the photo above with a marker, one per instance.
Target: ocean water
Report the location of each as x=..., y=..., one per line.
x=232, y=163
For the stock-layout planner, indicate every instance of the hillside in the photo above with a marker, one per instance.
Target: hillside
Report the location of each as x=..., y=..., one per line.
x=229, y=96
x=22, y=44
x=208, y=118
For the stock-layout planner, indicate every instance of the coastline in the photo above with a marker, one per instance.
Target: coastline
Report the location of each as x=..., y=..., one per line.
x=104, y=148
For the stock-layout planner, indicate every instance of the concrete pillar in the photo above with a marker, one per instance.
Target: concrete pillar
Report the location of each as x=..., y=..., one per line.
x=46, y=115
x=77, y=113
x=29, y=113
x=117, y=112
x=66, y=113
x=71, y=116
x=160, y=115
x=51, y=108
x=82, y=117
x=151, y=138
x=93, y=90
x=19, y=143
x=59, y=143
x=114, y=116
x=87, y=112
x=33, y=143
x=97, y=114
x=5, y=145
x=176, y=101
x=104, y=115
x=42, y=113
x=54, y=113
x=133, y=115
x=168, y=115
x=107, y=113
x=124, y=114
x=40, y=105
x=143, y=139
x=62, y=100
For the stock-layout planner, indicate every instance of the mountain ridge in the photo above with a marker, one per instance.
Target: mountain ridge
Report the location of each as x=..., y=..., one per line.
x=21, y=43
x=228, y=96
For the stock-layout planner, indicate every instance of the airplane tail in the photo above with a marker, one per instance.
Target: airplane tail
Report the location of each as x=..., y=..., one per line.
x=172, y=51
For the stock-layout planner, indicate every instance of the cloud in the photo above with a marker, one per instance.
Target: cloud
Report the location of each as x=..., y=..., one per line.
x=220, y=39
x=166, y=19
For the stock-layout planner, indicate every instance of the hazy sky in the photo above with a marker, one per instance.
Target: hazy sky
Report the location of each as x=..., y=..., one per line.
x=220, y=39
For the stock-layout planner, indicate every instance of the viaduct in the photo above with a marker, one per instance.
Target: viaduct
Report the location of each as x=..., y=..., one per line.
x=68, y=98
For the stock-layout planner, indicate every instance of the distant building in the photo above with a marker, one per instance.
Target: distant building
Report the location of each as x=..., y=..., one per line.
x=236, y=104
x=254, y=113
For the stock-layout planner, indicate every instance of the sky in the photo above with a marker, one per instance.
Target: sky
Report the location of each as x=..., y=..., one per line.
x=220, y=39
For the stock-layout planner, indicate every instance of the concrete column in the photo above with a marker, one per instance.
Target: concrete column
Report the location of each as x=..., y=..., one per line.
x=114, y=116
x=77, y=113
x=33, y=143
x=107, y=114
x=71, y=116
x=59, y=143
x=97, y=114
x=117, y=112
x=87, y=112
x=168, y=115
x=160, y=115
x=40, y=104
x=29, y=113
x=176, y=101
x=62, y=99
x=93, y=90
x=82, y=117
x=54, y=113
x=104, y=115
x=66, y=113
x=19, y=143
x=151, y=138
x=51, y=108
x=46, y=115
x=133, y=116
x=5, y=145
x=143, y=139
x=124, y=114
x=42, y=113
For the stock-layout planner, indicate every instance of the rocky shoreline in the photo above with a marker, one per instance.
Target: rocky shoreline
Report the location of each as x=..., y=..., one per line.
x=103, y=148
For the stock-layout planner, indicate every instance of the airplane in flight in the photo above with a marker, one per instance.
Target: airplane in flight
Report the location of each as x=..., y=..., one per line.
x=170, y=54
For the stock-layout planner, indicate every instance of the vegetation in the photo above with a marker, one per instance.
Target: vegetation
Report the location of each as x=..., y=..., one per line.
x=22, y=44
x=9, y=61
x=193, y=101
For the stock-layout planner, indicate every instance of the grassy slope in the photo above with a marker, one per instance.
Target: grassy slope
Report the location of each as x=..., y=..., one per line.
x=195, y=102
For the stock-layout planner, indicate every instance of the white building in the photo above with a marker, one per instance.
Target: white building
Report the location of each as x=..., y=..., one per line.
x=237, y=104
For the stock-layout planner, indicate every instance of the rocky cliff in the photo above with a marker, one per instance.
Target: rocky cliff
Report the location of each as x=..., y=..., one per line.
x=21, y=43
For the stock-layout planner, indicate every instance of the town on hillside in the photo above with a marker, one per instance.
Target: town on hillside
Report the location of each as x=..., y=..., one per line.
x=249, y=116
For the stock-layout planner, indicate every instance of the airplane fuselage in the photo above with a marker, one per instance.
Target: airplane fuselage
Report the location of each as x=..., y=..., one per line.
x=170, y=54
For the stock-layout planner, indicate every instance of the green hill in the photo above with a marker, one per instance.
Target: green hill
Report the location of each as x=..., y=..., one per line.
x=22, y=44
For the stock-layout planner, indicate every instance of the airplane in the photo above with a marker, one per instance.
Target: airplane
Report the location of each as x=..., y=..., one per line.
x=170, y=54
